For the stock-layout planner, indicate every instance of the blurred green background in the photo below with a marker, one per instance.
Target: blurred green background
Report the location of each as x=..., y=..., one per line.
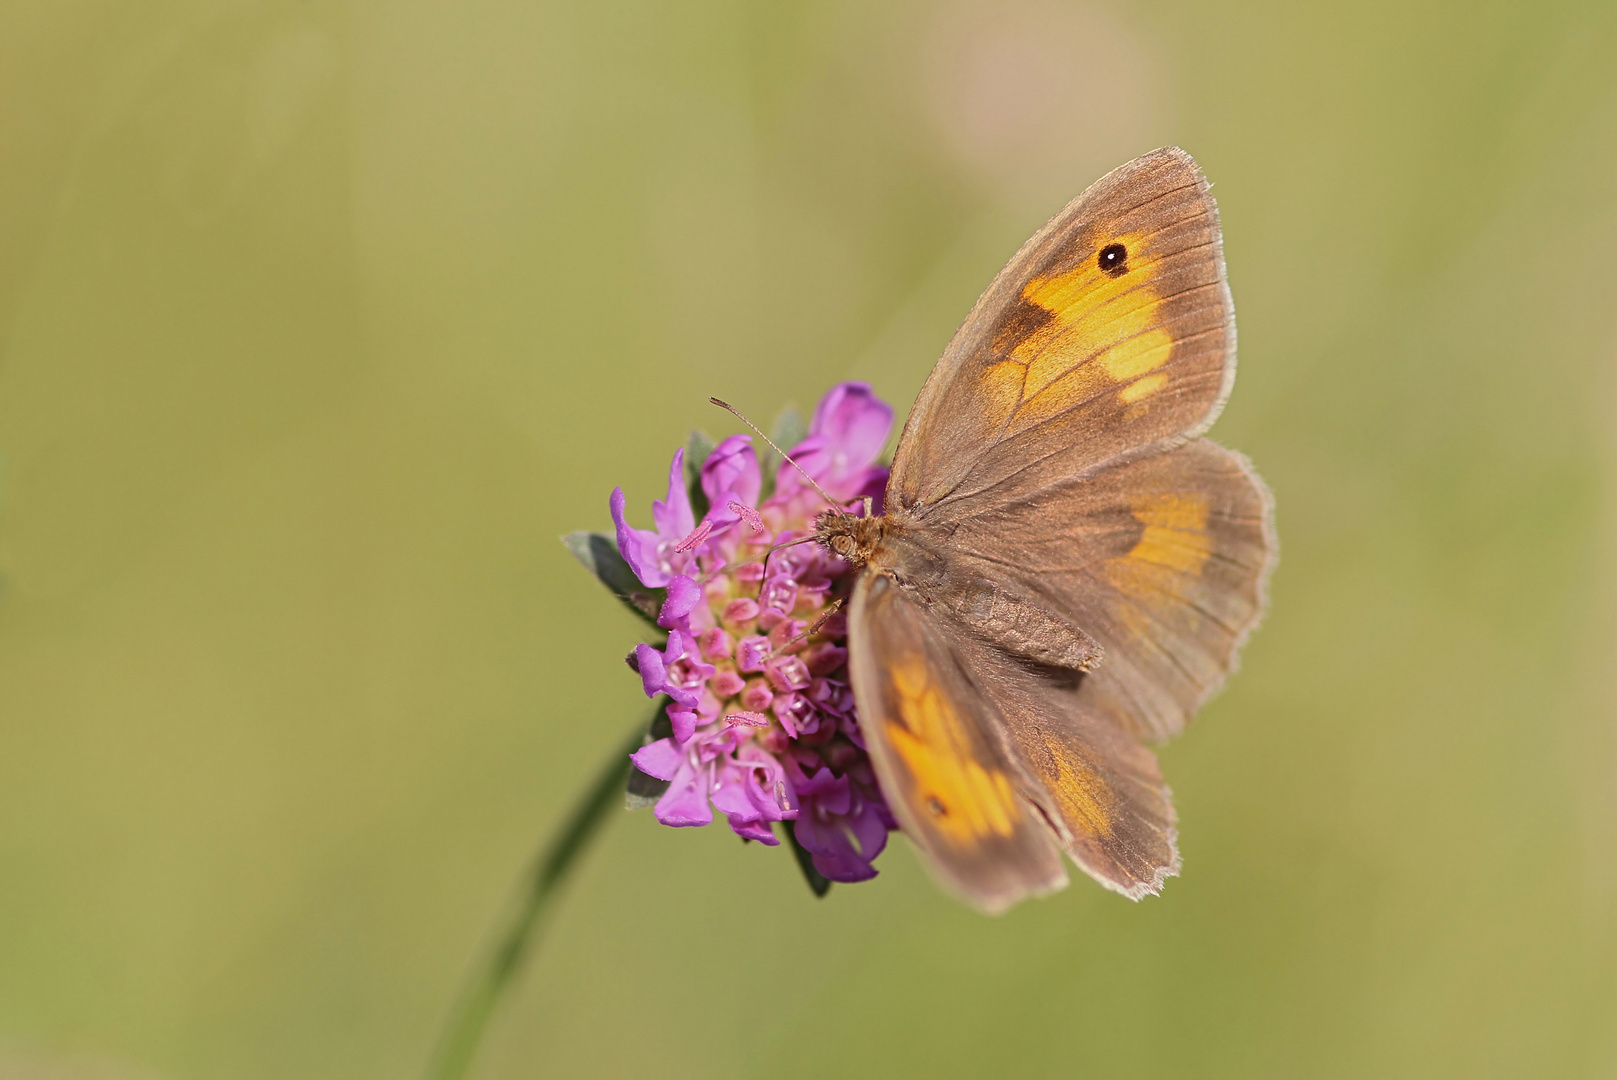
x=322, y=321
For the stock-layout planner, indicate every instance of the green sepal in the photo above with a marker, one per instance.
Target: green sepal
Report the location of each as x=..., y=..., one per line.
x=600, y=556
x=696, y=452
x=641, y=790
x=789, y=430
x=818, y=883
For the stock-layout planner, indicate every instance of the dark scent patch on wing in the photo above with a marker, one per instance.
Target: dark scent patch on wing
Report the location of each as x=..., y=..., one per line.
x=1022, y=321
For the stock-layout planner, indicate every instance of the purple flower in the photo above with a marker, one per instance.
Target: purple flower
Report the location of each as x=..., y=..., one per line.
x=850, y=429
x=651, y=555
x=844, y=828
x=676, y=671
x=688, y=775
x=683, y=595
x=731, y=474
x=755, y=665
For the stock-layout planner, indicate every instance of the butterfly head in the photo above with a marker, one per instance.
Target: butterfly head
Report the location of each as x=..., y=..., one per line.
x=857, y=539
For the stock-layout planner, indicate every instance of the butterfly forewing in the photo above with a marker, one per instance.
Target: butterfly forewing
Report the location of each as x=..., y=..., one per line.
x=939, y=753
x=1111, y=330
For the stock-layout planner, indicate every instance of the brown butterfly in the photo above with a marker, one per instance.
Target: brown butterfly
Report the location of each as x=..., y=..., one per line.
x=1065, y=570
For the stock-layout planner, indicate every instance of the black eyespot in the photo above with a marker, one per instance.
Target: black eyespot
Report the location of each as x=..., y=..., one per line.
x=936, y=807
x=1114, y=259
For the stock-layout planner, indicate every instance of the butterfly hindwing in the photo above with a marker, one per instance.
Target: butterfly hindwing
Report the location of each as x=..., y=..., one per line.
x=1112, y=329
x=988, y=759
x=1100, y=789
x=1164, y=560
x=944, y=770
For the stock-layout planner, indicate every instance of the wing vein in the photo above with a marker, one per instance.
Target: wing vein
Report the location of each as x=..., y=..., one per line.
x=951, y=493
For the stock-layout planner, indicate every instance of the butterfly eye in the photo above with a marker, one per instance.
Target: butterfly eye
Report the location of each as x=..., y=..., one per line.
x=1114, y=259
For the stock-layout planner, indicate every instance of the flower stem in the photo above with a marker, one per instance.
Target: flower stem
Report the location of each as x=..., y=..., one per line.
x=469, y=1017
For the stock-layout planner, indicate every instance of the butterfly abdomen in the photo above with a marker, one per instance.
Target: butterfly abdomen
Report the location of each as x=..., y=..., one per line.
x=1020, y=626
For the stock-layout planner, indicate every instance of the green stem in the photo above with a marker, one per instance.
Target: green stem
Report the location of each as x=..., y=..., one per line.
x=470, y=1016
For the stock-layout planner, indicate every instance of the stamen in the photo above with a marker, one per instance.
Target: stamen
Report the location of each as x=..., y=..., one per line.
x=750, y=516
x=698, y=534
x=780, y=796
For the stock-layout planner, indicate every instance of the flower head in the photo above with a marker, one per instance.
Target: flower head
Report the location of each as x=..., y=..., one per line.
x=755, y=664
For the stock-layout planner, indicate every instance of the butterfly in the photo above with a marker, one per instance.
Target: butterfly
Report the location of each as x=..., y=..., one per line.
x=1064, y=570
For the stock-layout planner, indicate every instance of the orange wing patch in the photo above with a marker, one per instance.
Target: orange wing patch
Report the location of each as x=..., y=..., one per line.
x=1174, y=543
x=1077, y=333
x=937, y=747
x=967, y=801
x=1085, y=800
x=1142, y=388
x=1175, y=532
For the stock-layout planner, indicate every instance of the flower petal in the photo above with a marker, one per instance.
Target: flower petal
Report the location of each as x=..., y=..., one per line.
x=730, y=796
x=732, y=469
x=683, y=595
x=658, y=669
x=753, y=830
x=661, y=759
x=849, y=431
x=854, y=422
x=685, y=803
x=812, y=457
x=653, y=673
x=869, y=832
x=832, y=848
x=673, y=516
x=637, y=546
x=843, y=866
x=684, y=721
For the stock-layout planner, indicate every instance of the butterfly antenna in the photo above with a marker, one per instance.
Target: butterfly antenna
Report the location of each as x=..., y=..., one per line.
x=784, y=455
x=821, y=621
x=790, y=543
